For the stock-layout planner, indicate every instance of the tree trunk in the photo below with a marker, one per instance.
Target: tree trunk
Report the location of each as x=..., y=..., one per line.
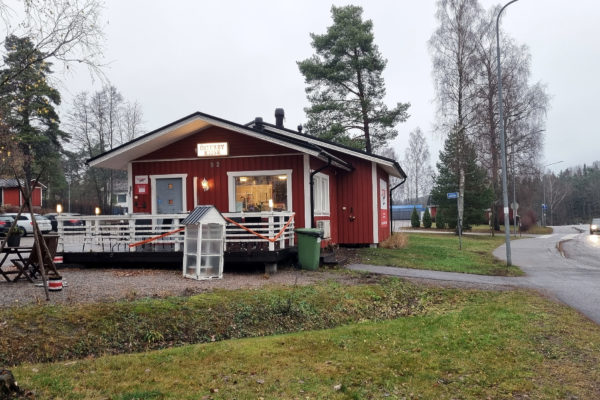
x=8, y=385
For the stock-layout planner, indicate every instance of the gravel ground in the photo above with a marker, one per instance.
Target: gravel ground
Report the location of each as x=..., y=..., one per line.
x=93, y=284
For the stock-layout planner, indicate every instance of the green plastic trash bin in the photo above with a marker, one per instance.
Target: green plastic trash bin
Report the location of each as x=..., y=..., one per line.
x=309, y=247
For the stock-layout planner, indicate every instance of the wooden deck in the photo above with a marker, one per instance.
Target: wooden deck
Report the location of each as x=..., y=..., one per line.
x=108, y=240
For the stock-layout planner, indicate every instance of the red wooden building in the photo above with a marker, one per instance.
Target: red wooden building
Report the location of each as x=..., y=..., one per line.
x=258, y=167
x=10, y=195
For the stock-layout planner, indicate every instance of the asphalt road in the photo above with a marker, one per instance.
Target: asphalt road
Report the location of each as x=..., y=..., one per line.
x=572, y=276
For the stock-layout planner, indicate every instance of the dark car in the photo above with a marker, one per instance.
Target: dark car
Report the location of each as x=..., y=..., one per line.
x=595, y=226
x=73, y=220
x=5, y=224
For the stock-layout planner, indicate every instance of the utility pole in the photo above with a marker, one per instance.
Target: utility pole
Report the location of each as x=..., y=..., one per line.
x=502, y=140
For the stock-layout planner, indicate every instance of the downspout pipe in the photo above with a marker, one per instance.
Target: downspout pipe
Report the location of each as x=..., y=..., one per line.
x=391, y=201
x=312, y=191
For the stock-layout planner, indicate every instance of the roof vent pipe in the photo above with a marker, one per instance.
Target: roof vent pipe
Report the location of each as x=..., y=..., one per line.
x=279, y=114
x=258, y=123
x=300, y=129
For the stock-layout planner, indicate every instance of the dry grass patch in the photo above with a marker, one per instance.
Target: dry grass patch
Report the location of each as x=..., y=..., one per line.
x=396, y=241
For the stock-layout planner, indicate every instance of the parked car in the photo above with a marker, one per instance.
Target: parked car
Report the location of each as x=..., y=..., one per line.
x=73, y=221
x=5, y=224
x=595, y=226
x=26, y=224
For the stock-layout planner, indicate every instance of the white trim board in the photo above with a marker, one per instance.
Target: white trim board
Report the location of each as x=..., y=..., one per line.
x=130, y=188
x=375, y=196
x=306, y=173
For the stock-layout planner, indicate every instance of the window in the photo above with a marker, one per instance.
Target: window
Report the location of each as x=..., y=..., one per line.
x=121, y=198
x=256, y=191
x=321, y=194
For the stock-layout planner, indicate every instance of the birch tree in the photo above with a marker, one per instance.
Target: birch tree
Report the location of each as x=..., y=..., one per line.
x=98, y=123
x=455, y=67
x=417, y=164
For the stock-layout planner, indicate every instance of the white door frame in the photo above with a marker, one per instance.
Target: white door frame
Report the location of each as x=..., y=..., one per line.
x=153, y=178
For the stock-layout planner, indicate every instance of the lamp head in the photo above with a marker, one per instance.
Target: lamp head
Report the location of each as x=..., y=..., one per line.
x=205, y=186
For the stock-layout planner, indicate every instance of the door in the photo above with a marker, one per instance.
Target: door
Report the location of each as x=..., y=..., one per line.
x=169, y=195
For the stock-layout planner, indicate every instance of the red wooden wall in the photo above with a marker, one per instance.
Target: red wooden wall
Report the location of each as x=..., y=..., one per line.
x=36, y=197
x=355, y=203
x=11, y=197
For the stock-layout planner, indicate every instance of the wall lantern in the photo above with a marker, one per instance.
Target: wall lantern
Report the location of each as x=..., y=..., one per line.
x=97, y=210
x=205, y=185
x=59, y=208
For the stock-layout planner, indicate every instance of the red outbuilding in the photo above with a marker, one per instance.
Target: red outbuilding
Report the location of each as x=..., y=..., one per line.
x=10, y=195
x=258, y=167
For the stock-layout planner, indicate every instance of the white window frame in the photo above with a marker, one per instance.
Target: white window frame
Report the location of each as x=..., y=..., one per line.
x=153, y=178
x=321, y=190
x=231, y=175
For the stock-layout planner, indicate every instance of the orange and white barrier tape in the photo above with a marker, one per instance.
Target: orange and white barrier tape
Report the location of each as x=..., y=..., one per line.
x=272, y=240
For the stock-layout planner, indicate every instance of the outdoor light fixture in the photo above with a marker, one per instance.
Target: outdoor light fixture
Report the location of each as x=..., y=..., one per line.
x=97, y=210
x=59, y=208
x=205, y=185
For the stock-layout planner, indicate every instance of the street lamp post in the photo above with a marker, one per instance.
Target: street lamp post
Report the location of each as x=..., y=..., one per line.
x=544, y=205
x=502, y=140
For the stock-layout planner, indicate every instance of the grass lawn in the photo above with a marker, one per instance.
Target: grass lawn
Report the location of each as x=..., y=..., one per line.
x=441, y=253
x=468, y=345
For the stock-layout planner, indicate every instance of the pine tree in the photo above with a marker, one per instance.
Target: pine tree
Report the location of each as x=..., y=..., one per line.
x=346, y=87
x=427, y=219
x=27, y=104
x=440, y=222
x=478, y=194
x=414, y=218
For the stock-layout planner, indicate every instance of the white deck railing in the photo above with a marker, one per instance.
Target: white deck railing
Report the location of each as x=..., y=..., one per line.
x=114, y=233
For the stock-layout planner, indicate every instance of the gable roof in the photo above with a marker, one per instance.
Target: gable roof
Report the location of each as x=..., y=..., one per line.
x=120, y=156
x=12, y=183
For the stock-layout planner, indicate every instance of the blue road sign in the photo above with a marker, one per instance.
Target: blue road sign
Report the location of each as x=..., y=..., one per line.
x=453, y=195
x=544, y=206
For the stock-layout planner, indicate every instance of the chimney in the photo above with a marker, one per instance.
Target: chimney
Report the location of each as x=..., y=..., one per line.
x=258, y=123
x=279, y=114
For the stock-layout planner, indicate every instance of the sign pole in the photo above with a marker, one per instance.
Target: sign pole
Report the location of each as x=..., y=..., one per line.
x=455, y=195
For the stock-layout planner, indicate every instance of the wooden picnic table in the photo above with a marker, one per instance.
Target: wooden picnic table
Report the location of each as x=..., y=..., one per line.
x=21, y=268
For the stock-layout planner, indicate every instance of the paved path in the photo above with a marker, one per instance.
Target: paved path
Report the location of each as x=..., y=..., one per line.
x=571, y=280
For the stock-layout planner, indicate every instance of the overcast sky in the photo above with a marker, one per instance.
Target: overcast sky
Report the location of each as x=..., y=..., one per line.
x=237, y=60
